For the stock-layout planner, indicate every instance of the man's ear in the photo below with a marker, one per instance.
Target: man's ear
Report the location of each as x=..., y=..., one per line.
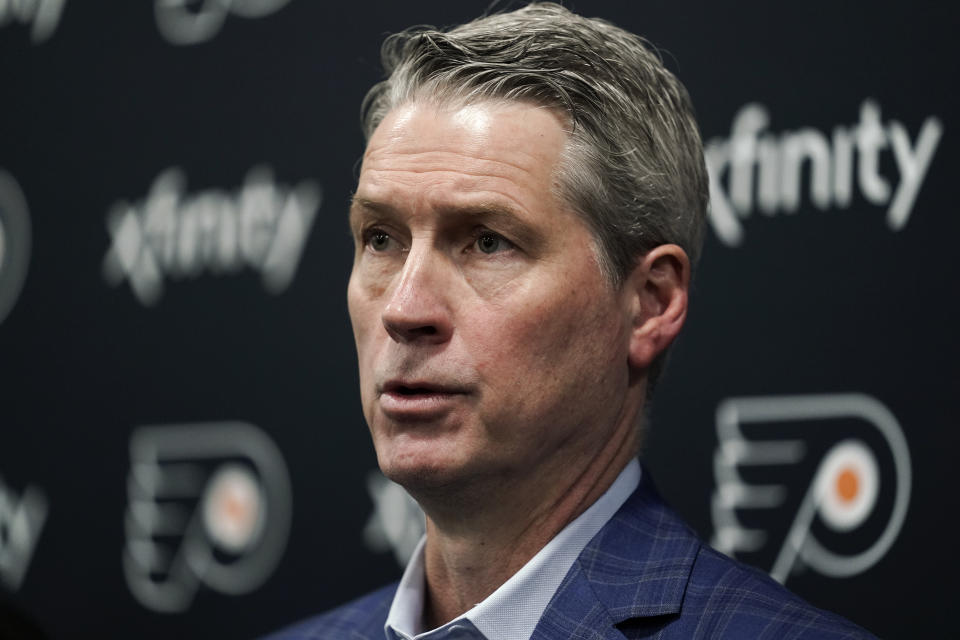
x=659, y=286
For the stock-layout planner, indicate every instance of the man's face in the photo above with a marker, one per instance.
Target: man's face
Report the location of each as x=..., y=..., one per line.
x=489, y=343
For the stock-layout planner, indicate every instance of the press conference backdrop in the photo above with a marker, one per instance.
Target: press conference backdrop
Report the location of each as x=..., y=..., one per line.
x=182, y=451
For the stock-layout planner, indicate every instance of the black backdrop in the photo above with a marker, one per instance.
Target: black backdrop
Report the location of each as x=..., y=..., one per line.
x=177, y=376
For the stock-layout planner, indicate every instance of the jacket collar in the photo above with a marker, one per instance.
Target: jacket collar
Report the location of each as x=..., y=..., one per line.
x=366, y=617
x=637, y=566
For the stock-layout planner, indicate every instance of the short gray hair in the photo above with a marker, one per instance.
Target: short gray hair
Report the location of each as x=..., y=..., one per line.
x=634, y=165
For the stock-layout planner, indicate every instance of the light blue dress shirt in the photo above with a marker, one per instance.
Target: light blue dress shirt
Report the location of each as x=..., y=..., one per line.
x=513, y=610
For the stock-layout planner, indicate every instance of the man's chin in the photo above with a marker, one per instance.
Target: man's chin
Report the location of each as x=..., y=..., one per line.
x=420, y=476
x=425, y=472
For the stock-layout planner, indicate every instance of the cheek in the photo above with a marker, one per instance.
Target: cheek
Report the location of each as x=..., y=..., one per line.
x=364, y=318
x=362, y=304
x=547, y=343
x=503, y=341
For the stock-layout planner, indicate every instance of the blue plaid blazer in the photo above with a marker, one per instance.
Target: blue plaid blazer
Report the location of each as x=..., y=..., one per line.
x=644, y=575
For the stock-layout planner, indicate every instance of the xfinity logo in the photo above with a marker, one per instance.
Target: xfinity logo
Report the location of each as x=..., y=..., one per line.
x=21, y=520
x=764, y=170
x=263, y=225
x=209, y=504
x=14, y=242
x=42, y=15
x=181, y=24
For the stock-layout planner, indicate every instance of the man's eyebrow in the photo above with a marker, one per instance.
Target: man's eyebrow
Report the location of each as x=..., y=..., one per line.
x=359, y=202
x=501, y=216
x=482, y=209
x=362, y=208
x=490, y=210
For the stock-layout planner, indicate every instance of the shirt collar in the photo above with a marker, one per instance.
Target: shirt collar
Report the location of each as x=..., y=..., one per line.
x=513, y=610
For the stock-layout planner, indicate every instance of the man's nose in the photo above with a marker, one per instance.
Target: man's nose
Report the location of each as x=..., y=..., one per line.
x=418, y=309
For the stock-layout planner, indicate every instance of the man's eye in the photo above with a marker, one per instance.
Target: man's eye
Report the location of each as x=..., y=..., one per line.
x=378, y=241
x=491, y=243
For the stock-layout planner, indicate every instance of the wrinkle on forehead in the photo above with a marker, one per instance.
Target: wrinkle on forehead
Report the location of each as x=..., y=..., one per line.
x=506, y=149
x=478, y=125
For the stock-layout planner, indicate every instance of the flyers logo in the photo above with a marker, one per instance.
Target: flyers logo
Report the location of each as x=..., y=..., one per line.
x=209, y=504
x=21, y=520
x=821, y=481
x=14, y=241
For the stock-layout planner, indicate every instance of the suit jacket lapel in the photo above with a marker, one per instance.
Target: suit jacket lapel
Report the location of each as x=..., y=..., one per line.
x=637, y=566
x=370, y=619
x=575, y=612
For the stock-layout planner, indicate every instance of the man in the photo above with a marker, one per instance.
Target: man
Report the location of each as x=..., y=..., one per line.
x=529, y=210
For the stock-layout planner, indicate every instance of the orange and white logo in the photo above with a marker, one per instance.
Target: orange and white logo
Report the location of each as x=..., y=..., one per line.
x=821, y=481
x=209, y=504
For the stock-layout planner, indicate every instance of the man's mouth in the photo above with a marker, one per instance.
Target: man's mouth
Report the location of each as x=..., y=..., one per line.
x=417, y=388
x=418, y=400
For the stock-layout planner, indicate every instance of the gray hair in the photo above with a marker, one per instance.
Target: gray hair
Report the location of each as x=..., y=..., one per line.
x=633, y=167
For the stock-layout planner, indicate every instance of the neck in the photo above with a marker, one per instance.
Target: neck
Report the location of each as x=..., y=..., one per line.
x=478, y=544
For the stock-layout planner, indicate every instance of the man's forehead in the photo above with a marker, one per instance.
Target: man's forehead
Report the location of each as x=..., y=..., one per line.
x=490, y=161
x=483, y=128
